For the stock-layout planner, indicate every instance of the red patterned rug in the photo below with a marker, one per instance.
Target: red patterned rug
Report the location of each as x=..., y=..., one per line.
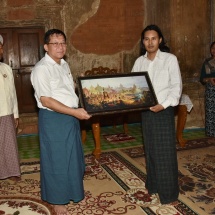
x=118, y=138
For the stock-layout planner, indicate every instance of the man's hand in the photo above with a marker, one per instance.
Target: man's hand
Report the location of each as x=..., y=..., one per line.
x=156, y=108
x=57, y=106
x=16, y=120
x=80, y=113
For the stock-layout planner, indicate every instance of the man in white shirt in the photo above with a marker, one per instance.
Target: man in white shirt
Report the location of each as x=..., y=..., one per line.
x=158, y=123
x=61, y=153
x=9, y=159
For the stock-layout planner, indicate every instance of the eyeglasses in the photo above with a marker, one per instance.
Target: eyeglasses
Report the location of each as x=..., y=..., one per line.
x=56, y=45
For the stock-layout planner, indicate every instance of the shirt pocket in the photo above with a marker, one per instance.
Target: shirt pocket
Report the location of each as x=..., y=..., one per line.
x=54, y=84
x=68, y=81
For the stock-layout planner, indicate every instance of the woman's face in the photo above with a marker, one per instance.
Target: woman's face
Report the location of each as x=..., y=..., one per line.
x=213, y=51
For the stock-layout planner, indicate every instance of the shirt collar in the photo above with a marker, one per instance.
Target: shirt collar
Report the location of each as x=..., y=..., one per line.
x=158, y=54
x=48, y=58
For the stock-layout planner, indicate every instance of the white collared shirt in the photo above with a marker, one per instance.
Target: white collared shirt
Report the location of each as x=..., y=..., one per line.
x=54, y=80
x=165, y=76
x=8, y=99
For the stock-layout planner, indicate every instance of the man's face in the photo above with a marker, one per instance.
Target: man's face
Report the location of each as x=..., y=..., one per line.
x=151, y=41
x=56, y=48
x=1, y=51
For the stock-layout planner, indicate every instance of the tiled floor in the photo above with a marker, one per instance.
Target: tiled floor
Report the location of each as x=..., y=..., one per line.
x=29, y=144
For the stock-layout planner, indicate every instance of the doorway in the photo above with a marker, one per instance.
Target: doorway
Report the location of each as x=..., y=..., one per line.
x=23, y=48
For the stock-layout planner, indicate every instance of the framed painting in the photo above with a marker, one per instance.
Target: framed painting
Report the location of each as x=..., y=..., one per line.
x=106, y=94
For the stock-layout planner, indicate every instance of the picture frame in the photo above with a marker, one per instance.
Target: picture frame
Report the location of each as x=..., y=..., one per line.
x=116, y=93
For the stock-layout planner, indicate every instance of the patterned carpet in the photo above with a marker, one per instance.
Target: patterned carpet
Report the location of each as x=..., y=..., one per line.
x=196, y=172
x=116, y=185
x=23, y=197
x=122, y=169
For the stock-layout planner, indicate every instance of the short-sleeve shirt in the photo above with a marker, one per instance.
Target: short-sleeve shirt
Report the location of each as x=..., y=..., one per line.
x=54, y=80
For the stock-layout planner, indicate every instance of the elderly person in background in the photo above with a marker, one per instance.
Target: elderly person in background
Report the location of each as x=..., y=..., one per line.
x=9, y=159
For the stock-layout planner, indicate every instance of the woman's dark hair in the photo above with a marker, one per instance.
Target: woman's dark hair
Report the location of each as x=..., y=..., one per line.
x=211, y=46
x=162, y=45
x=51, y=32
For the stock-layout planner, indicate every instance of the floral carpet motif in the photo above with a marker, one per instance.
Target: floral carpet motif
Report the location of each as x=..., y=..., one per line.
x=23, y=197
x=196, y=172
x=119, y=188
x=23, y=206
x=115, y=184
x=197, y=177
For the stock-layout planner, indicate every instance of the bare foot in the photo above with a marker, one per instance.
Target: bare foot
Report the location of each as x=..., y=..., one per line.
x=60, y=210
